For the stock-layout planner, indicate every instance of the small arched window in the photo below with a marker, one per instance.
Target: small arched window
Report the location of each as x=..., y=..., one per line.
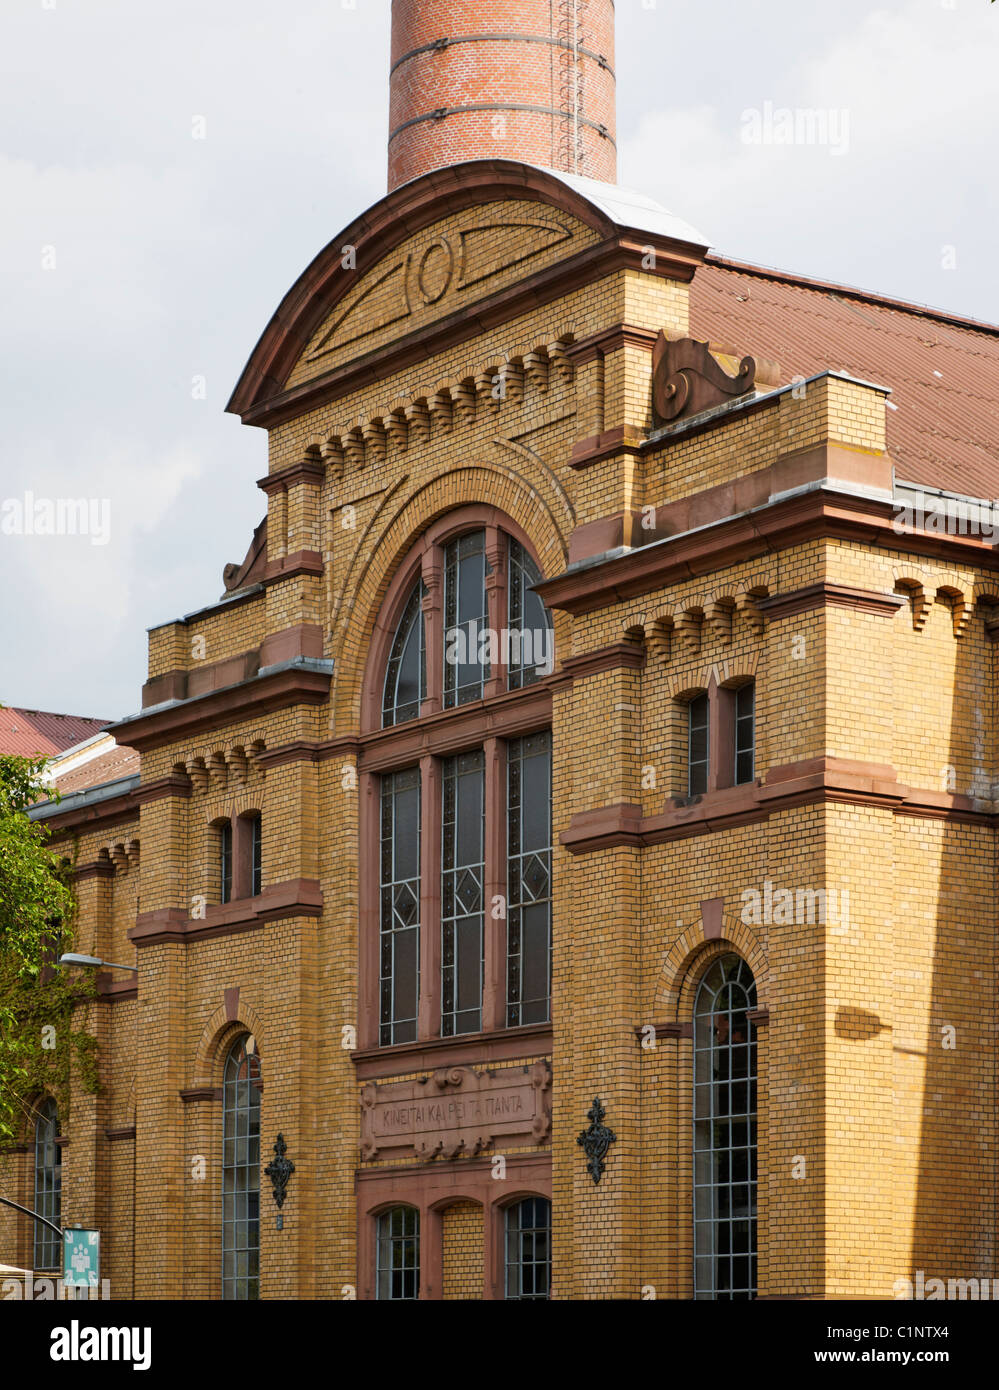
x=398, y=1254
x=406, y=673
x=725, y=1152
x=241, y=1171
x=48, y=1186
x=528, y=1232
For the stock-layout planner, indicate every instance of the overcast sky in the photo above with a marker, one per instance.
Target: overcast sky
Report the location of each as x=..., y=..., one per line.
x=136, y=258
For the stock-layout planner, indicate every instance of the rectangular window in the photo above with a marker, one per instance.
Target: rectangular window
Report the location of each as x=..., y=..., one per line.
x=745, y=733
x=399, y=970
x=529, y=915
x=397, y=1258
x=465, y=619
x=225, y=862
x=256, y=845
x=697, y=746
x=48, y=1189
x=462, y=873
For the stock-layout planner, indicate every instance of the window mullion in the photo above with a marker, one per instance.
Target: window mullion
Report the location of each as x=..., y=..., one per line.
x=496, y=607
x=495, y=887
x=432, y=572
x=429, y=1008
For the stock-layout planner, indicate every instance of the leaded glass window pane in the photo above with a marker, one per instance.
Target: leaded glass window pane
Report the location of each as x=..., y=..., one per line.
x=406, y=674
x=745, y=733
x=697, y=746
x=725, y=1172
x=466, y=620
x=398, y=1254
x=241, y=1171
x=399, y=967
x=462, y=874
x=529, y=1249
x=48, y=1187
x=530, y=652
x=529, y=832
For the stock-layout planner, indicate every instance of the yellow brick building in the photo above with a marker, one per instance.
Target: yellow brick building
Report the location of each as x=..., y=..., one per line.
x=664, y=967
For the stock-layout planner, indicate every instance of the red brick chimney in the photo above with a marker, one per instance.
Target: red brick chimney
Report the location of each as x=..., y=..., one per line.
x=531, y=80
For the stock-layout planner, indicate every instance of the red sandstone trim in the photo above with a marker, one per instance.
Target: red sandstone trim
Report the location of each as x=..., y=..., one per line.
x=120, y=810
x=611, y=339
x=112, y=991
x=666, y=1030
x=305, y=471
x=834, y=595
x=98, y=868
x=196, y=1093
x=259, y=696
x=297, y=897
x=123, y=1132
x=800, y=784
x=608, y=444
x=531, y=1043
x=784, y=524
x=171, y=785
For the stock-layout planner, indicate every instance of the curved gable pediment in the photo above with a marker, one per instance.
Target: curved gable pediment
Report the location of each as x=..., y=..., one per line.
x=439, y=252
x=442, y=270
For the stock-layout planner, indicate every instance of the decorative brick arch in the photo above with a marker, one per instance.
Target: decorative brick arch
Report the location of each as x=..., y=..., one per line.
x=693, y=951
x=225, y=1024
x=366, y=608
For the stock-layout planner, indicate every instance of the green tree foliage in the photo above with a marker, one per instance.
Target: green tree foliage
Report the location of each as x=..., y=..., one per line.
x=37, y=1041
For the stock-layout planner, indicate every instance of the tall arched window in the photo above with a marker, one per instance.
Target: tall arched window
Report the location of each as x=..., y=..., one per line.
x=725, y=1132
x=241, y=1171
x=460, y=810
x=48, y=1186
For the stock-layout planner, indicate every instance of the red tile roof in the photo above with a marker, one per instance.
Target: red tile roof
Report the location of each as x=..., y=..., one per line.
x=117, y=762
x=32, y=732
x=943, y=370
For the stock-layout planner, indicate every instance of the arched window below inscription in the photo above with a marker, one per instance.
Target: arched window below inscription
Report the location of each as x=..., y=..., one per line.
x=528, y=1249
x=398, y=1254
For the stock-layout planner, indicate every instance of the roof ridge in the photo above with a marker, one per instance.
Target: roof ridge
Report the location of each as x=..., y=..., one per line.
x=853, y=291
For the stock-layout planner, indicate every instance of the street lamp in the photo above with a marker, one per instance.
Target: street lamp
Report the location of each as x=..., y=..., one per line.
x=71, y=958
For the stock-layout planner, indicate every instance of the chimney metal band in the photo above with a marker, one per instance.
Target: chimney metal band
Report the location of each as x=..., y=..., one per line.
x=439, y=46
x=442, y=111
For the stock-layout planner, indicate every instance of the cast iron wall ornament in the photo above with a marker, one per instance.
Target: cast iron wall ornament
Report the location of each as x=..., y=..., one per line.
x=279, y=1170
x=596, y=1140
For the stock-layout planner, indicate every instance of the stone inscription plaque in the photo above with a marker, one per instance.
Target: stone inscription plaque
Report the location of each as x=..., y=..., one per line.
x=456, y=1111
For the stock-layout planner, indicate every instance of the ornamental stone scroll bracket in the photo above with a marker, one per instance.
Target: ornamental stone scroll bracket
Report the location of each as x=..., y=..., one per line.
x=687, y=379
x=541, y=1080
